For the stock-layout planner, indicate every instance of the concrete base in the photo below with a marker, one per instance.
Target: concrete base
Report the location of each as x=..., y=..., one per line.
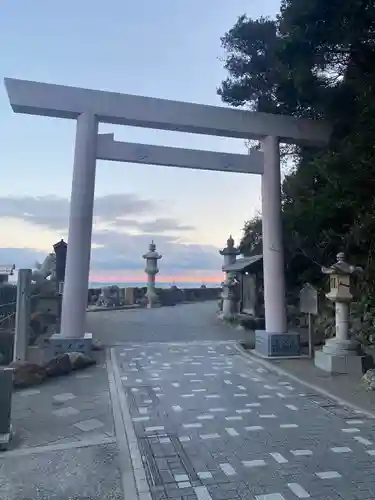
x=340, y=364
x=272, y=345
x=153, y=305
x=59, y=345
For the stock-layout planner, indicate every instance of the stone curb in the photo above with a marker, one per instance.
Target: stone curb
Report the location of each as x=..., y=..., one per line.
x=134, y=480
x=314, y=387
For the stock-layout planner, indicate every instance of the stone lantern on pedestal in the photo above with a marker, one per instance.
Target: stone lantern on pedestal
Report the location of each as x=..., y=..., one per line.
x=152, y=257
x=230, y=253
x=340, y=354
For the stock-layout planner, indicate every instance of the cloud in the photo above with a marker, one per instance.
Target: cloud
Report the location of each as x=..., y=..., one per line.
x=160, y=225
x=124, y=226
x=53, y=212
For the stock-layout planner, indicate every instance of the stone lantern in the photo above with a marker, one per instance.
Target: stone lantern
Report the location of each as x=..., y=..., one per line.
x=340, y=354
x=230, y=253
x=152, y=257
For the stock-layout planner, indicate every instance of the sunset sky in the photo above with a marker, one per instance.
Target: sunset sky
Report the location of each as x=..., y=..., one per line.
x=161, y=49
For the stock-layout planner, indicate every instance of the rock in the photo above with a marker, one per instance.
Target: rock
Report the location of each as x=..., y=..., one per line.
x=27, y=374
x=78, y=360
x=369, y=379
x=97, y=345
x=59, y=365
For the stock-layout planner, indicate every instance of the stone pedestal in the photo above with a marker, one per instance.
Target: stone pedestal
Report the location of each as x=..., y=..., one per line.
x=273, y=345
x=341, y=357
x=229, y=304
x=58, y=344
x=227, y=312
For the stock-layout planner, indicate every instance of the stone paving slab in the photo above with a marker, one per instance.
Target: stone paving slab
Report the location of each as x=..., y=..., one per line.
x=65, y=447
x=211, y=425
x=64, y=409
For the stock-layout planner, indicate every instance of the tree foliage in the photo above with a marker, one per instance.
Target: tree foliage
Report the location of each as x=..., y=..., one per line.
x=315, y=60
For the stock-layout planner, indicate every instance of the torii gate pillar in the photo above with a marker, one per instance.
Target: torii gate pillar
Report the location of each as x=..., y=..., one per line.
x=275, y=340
x=75, y=296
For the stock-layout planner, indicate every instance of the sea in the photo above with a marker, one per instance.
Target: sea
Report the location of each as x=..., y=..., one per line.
x=97, y=284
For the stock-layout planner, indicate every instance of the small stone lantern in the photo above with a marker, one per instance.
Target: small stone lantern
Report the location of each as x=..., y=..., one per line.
x=152, y=257
x=230, y=253
x=340, y=354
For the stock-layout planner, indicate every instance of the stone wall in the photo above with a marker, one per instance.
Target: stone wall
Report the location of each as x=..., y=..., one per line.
x=167, y=296
x=173, y=296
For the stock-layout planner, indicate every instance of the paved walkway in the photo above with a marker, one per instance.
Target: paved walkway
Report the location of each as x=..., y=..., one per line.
x=185, y=322
x=65, y=445
x=211, y=425
x=186, y=418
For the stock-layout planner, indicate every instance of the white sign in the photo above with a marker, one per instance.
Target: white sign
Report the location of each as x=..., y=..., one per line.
x=308, y=299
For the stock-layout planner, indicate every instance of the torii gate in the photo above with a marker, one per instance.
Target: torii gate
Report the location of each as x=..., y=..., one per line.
x=89, y=107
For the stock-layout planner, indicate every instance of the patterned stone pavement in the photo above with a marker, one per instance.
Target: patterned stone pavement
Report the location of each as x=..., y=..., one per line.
x=212, y=425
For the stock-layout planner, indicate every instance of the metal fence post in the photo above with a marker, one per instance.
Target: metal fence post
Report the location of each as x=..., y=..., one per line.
x=22, y=314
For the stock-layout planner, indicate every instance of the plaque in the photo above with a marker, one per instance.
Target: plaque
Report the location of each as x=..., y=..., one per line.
x=308, y=299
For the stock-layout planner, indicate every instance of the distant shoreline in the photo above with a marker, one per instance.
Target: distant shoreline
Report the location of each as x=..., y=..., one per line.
x=124, y=284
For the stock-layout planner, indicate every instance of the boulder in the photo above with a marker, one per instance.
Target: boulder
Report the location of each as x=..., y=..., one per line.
x=27, y=374
x=369, y=379
x=59, y=365
x=78, y=360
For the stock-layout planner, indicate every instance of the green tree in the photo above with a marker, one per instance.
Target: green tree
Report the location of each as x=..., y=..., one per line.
x=315, y=60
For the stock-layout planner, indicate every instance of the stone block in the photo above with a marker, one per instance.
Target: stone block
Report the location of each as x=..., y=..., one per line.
x=57, y=345
x=272, y=345
x=6, y=389
x=340, y=364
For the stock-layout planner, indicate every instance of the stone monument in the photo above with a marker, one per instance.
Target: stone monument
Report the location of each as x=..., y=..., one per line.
x=61, y=249
x=340, y=354
x=45, y=270
x=230, y=253
x=109, y=296
x=152, y=257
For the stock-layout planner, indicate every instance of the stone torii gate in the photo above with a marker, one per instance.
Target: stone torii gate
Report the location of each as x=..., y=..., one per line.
x=89, y=107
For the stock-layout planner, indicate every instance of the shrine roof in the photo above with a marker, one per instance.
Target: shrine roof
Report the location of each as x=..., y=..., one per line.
x=243, y=264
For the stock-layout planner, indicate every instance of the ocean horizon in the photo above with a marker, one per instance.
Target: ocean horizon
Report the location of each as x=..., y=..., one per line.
x=124, y=284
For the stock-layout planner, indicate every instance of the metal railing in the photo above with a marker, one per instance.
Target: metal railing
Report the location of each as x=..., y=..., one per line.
x=8, y=313
x=8, y=316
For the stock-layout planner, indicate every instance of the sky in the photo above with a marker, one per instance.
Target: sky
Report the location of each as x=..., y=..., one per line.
x=167, y=49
